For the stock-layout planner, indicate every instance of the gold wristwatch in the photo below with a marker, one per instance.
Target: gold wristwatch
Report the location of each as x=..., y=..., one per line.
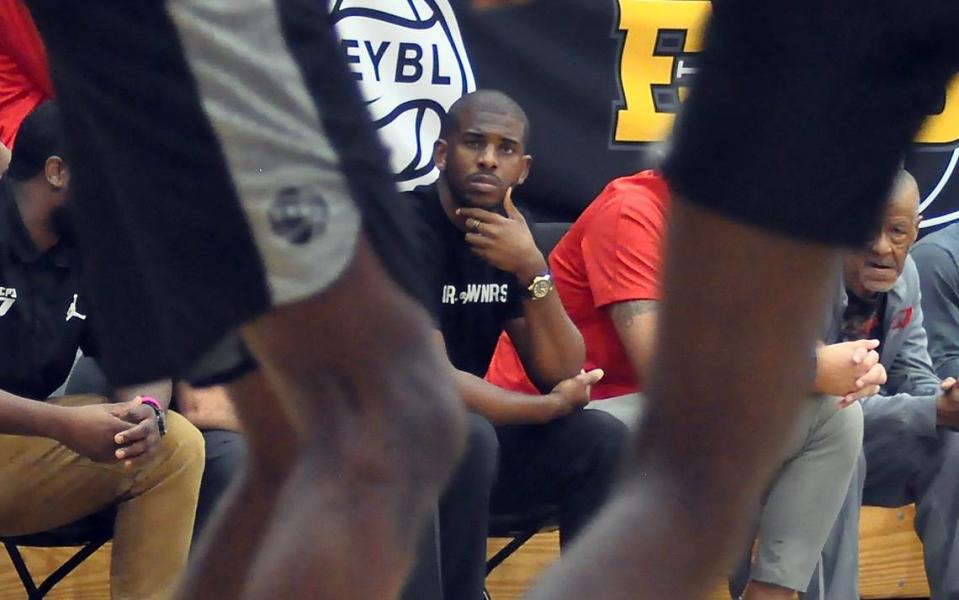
x=541, y=287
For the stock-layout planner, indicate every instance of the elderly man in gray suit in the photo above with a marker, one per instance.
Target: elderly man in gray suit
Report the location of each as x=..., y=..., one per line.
x=908, y=435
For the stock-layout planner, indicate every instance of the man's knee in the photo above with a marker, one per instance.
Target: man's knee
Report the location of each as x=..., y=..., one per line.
x=225, y=455
x=480, y=460
x=843, y=434
x=601, y=435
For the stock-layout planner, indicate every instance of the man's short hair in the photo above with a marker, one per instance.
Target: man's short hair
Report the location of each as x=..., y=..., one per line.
x=39, y=138
x=488, y=100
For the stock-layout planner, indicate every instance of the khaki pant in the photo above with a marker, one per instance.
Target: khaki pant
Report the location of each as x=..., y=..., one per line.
x=45, y=485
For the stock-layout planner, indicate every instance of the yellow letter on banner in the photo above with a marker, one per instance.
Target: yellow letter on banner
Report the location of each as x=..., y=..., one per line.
x=642, y=20
x=640, y=69
x=943, y=129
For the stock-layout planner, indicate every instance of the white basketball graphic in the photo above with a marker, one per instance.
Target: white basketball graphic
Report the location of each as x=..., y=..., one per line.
x=933, y=185
x=409, y=60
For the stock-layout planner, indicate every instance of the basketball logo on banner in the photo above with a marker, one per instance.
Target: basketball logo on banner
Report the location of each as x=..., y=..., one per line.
x=411, y=65
x=658, y=62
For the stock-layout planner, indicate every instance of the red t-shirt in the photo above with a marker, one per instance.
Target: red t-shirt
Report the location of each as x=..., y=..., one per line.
x=24, y=78
x=611, y=254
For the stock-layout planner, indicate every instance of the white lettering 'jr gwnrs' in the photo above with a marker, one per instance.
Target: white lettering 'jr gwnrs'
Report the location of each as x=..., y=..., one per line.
x=476, y=293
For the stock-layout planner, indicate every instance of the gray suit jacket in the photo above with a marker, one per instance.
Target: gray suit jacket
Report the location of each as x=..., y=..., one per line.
x=907, y=403
x=936, y=257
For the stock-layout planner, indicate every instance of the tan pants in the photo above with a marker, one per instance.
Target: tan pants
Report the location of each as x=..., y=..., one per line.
x=44, y=485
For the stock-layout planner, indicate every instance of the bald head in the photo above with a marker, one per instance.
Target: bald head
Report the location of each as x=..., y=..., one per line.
x=905, y=194
x=487, y=101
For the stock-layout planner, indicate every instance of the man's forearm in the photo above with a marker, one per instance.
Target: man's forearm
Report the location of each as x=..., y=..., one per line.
x=636, y=323
x=554, y=347
x=23, y=416
x=948, y=367
x=503, y=407
x=903, y=414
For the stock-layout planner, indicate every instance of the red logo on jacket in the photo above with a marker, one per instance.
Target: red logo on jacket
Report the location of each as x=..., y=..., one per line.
x=902, y=319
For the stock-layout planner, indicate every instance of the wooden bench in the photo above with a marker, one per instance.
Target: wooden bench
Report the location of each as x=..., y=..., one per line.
x=890, y=560
x=890, y=555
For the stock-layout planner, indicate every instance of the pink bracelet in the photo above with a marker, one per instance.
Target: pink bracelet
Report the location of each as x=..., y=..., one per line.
x=152, y=402
x=157, y=411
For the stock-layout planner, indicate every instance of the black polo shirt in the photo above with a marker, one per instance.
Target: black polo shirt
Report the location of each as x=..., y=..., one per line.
x=43, y=316
x=470, y=301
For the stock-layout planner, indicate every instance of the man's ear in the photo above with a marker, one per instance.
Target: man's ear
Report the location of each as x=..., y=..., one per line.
x=527, y=163
x=439, y=154
x=56, y=173
x=915, y=230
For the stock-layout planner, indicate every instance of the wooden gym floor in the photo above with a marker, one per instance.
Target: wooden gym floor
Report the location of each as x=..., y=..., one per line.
x=890, y=556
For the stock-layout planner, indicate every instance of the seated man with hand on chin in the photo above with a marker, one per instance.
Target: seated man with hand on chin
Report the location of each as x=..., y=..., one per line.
x=486, y=275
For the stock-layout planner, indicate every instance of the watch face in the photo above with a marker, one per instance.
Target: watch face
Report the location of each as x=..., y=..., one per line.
x=541, y=287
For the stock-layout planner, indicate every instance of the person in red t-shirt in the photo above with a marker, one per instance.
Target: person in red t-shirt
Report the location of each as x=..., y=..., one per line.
x=609, y=288
x=24, y=77
x=607, y=271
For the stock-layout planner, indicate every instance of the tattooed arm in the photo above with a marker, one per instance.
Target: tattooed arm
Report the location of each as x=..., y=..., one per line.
x=636, y=322
x=4, y=159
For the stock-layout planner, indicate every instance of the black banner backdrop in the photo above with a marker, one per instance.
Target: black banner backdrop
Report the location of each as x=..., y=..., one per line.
x=601, y=81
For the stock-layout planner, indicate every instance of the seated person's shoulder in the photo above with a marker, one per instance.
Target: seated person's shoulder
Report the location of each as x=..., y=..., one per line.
x=937, y=246
x=643, y=193
x=419, y=196
x=945, y=237
x=638, y=201
x=420, y=208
